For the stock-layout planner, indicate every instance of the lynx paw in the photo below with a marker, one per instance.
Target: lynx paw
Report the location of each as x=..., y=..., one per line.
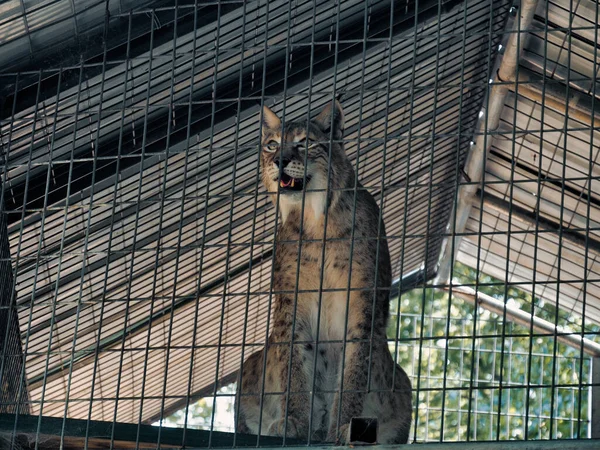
x=277, y=428
x=339, y=437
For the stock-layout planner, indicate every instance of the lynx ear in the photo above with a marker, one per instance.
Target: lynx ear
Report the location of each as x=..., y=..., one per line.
x=270, y=121
x=331, y=116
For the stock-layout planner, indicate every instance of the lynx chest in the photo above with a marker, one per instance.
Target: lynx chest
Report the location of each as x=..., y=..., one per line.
x=315, y=279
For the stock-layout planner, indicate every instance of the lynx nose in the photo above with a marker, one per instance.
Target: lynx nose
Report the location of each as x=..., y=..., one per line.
x=283, y=158
x=284, y=161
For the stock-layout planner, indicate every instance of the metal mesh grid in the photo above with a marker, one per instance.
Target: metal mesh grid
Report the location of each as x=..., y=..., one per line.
x=141, y=240
x=472, y=374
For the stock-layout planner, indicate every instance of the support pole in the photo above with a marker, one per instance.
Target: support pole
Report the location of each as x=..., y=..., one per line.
x=475, y=162
x=595, y=398
x=521, y=317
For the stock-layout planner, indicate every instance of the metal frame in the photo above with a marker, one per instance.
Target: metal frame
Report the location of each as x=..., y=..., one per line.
x=78, y=432
x=117, y=155
x=476, y=159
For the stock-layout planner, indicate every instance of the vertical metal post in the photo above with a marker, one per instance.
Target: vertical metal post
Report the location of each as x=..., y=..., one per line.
x=595, y=399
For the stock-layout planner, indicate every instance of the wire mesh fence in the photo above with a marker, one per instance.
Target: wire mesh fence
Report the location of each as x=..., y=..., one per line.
x=147, y=223
x=459, y=377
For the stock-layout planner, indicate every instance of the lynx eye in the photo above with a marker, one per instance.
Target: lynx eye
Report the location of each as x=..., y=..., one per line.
x=307, y=144
x=271, y=147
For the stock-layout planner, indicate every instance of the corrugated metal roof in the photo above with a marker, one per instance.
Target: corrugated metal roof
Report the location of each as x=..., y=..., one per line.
x=134, y=250
x=543, y=160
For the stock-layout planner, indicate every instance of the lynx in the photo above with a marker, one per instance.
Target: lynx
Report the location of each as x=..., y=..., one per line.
x=327, y=355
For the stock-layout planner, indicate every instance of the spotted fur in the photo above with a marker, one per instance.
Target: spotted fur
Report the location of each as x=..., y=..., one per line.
x=309, y=318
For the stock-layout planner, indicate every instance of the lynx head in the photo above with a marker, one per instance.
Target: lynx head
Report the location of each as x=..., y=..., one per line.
x=299, y=160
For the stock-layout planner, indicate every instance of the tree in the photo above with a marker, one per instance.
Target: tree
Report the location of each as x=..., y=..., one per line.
x=482, y=378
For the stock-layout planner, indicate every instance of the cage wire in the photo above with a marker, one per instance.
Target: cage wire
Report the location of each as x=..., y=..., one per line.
x=138, y=244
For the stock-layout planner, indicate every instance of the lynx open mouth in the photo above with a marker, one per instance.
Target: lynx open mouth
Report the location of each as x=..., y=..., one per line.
x=288, y=183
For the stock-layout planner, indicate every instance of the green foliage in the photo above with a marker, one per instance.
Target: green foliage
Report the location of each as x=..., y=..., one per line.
x=476, y=377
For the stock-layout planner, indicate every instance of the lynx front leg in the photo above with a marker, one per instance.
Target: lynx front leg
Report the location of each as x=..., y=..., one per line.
x=293, y=385
x=353, y=381
x=353, y=391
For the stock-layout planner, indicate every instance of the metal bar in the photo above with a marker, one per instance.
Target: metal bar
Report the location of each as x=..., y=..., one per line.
x=39, y=250
x=185, y=404
x=558, y=263
x=23, y=388
x=63, y=234
x=525, y=319
x=96, y=355
x=301, y=228
x=452, y=217
x=536, y=229
x=406, y=190
x=474, y=345
x=594, y=401
x=287, y=389
x=385, y=152
x=126, y=434
x=503, y=76
x=595, y=398
x=410, y=121
x=476, y=157
x=170, y=119
x=230, y=222
x=274, y=245
x=434, y=123
x=133, y=259
x=257, y=178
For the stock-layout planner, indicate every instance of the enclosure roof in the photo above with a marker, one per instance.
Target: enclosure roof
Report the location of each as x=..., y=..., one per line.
x=140, y=238
x=535, y=223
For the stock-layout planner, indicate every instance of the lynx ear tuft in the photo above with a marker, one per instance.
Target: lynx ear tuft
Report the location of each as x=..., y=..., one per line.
x=331, y=116
x=270, y=121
